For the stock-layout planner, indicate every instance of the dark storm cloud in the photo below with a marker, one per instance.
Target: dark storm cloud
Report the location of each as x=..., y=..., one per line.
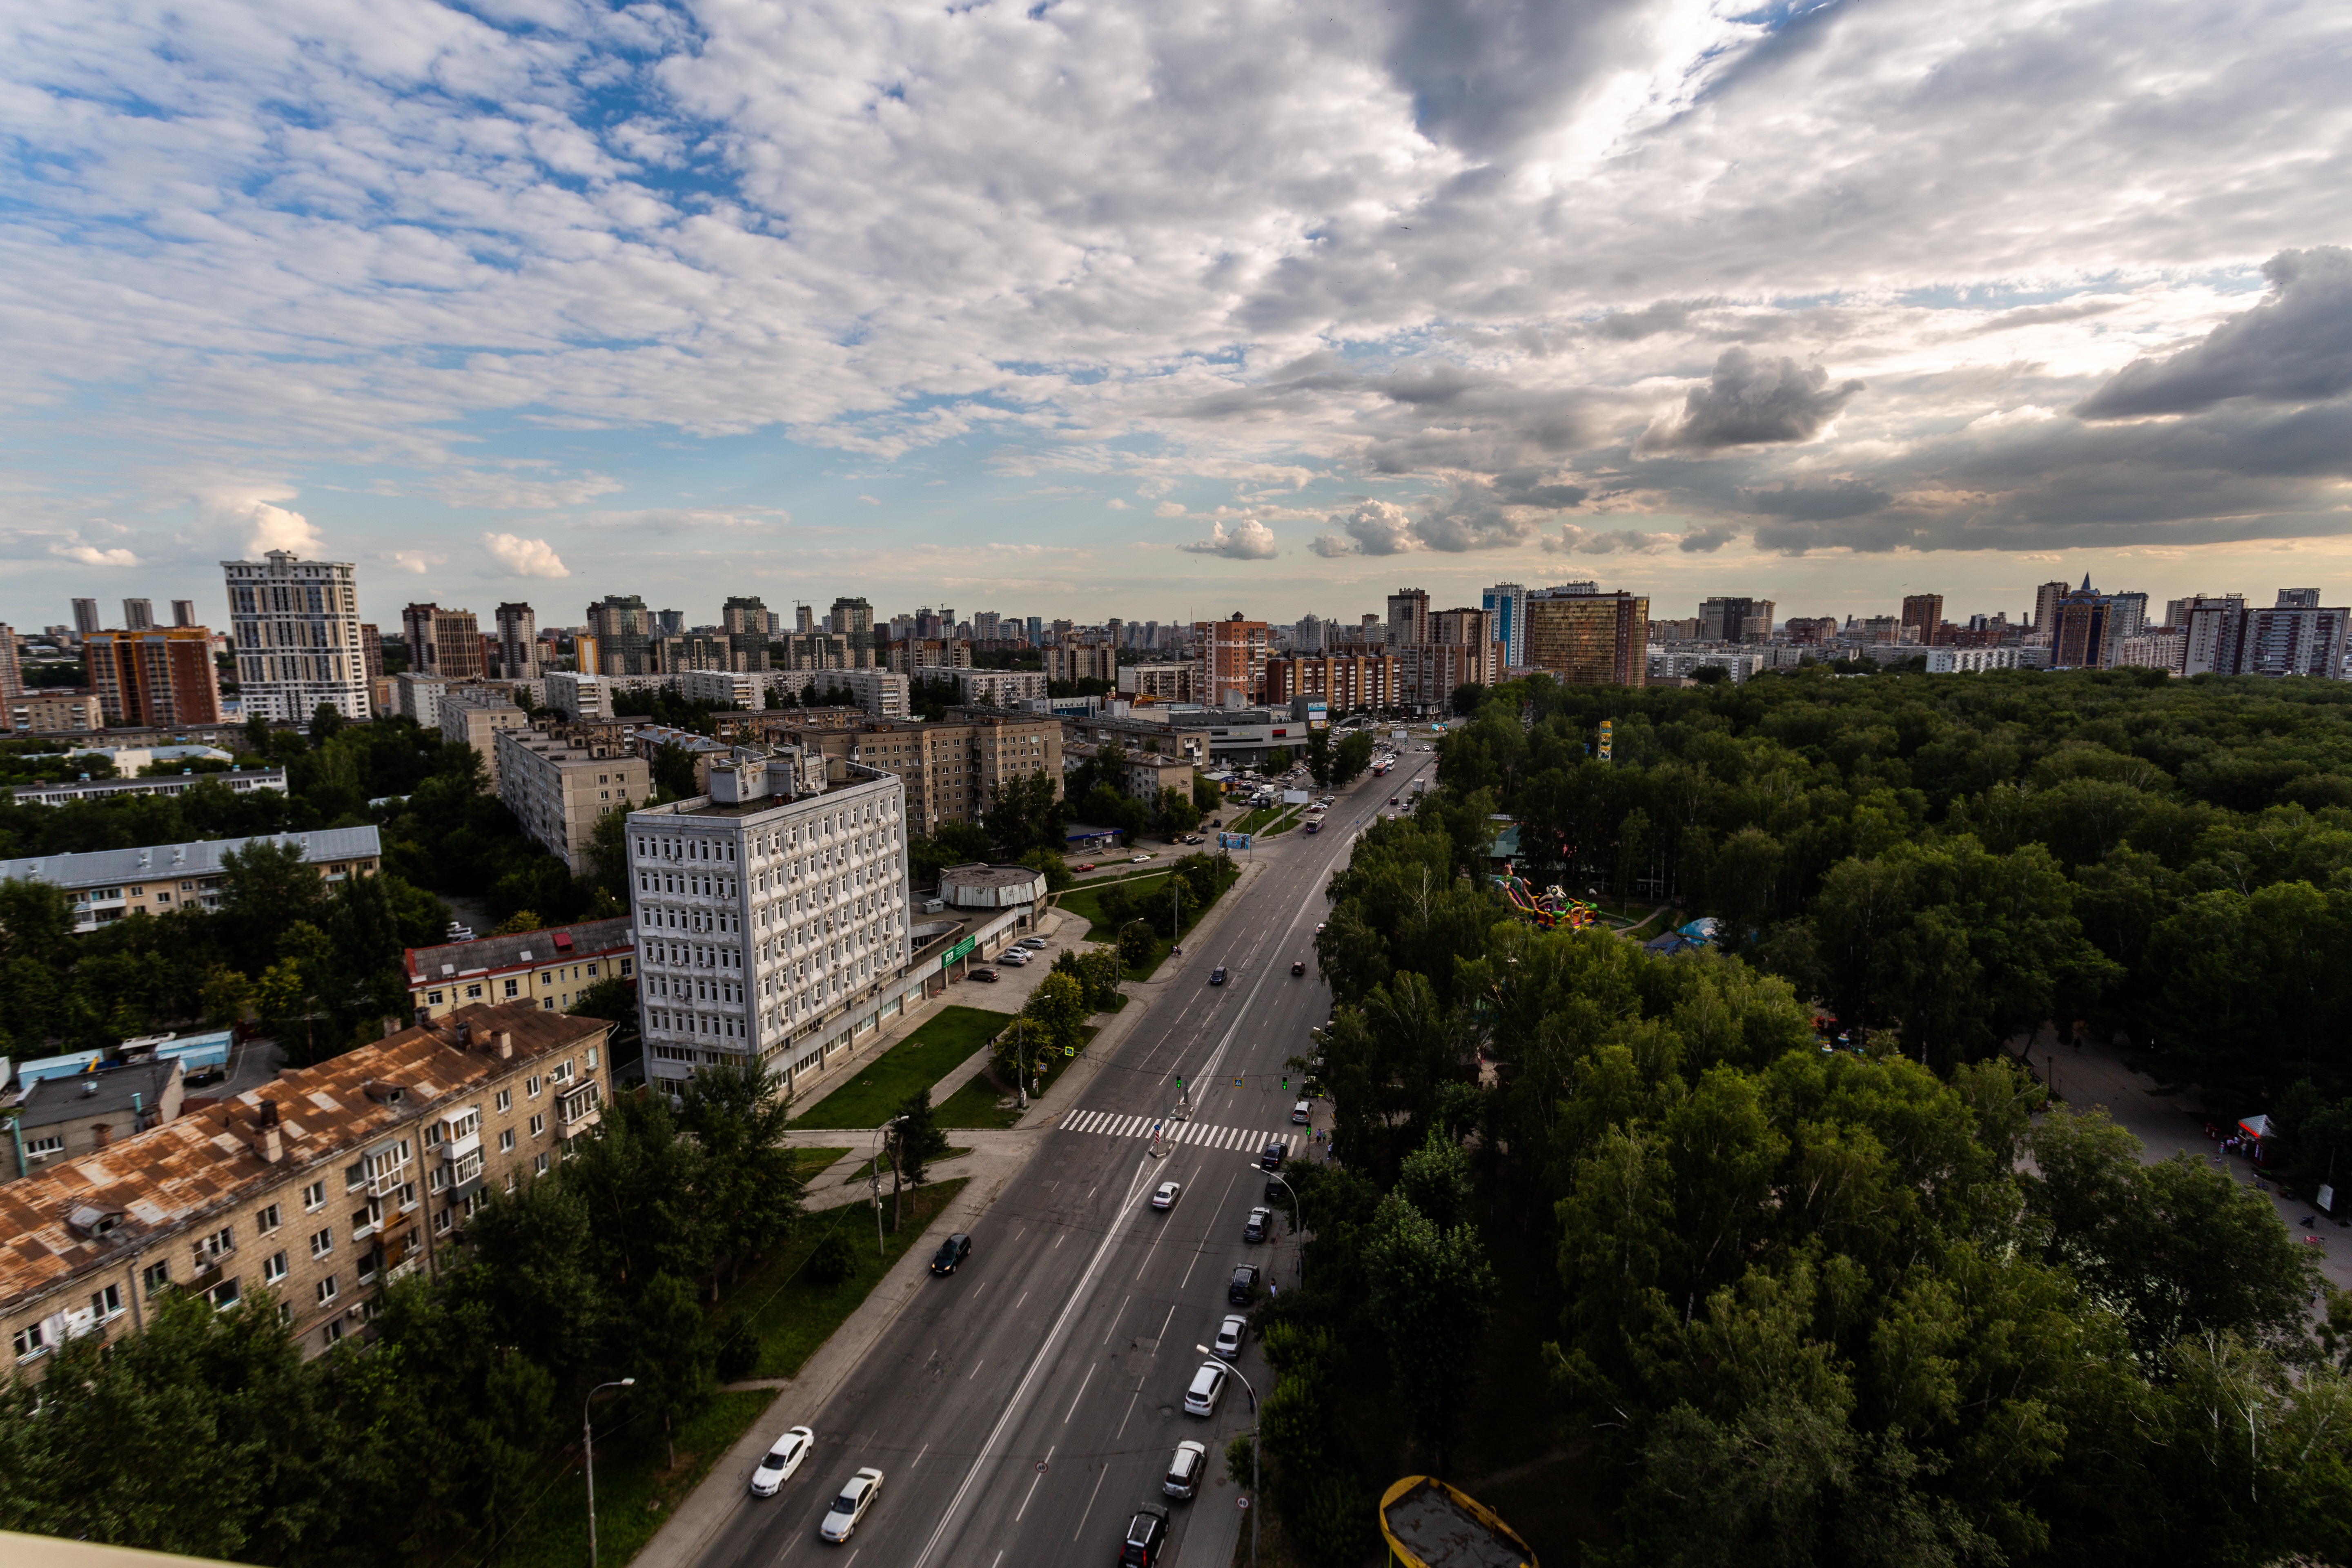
x=1752, y=402
x=2294, y=347
x=1816, y=503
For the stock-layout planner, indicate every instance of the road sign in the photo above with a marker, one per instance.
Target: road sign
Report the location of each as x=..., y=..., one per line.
x=1242, y=1503
x=1041, y=1467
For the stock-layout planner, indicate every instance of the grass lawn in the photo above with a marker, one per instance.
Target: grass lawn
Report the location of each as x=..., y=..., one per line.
x=807, y=1163
x=975, y=1104
x=918, y=1061
x=794, y=1316
x=1082, y=901
x=636, y=1486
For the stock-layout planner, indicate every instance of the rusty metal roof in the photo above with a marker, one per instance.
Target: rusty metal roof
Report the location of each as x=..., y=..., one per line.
x=203, y=1160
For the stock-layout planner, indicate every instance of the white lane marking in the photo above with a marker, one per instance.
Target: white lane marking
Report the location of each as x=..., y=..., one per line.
x=975, y=1369
x=1024, y=1296
x=1090, y=1502
x=1081, y=1394
x=1046, y=1347
x=1114, y=1317
x=1025, y=1495
x=1163, y=1328
x=977, y=1289
x=919, y=1458
x=1129, y=1416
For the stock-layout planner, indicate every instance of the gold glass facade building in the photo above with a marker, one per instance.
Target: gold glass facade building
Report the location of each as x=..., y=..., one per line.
x=1589, y=639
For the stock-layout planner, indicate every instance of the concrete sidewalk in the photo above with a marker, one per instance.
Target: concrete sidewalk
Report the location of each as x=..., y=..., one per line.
x=2167, y=1125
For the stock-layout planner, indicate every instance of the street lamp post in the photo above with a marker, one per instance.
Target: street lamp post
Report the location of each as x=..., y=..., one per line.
x=1300, y=1209
x=874, y=1180
x=588, y=1445
x=1256, y=1501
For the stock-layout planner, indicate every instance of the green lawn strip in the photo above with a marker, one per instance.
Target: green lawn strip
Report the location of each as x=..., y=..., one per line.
x=1083, y=901
x=1161, y=946
x=637, y=1489
x=794, y=1316
x=859, y=1172
x=974, y=1105
x=918, y=1061
x=808, y=1162
x=1290, y=819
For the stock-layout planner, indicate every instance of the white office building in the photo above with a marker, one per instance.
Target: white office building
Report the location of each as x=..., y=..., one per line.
x=1947, y=660
x=297, y=625
x=772, y=914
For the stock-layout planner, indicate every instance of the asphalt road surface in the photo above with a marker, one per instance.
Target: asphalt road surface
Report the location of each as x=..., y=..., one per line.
x=1022, y=1409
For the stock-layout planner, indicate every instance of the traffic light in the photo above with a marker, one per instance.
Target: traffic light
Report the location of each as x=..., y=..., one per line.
x=1285, y=1085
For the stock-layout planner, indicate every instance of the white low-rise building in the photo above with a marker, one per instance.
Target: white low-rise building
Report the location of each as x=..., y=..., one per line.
x=108, y=884
x=1971, y=660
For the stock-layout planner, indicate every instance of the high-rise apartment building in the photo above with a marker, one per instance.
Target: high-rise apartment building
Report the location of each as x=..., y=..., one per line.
x=744, y=620
x=1346, y=683
x=854, y=619
x=2176, y=611
x=1037, y=629
x=1083, y=662
x=2298, y=599
x=2227, y=639
x=183, y=612
x=1922, y=614
x=952, y=770
x=517, y=657
x=668, y=623
x=767, y=911
x=1232, y=657
x=1408, y=617
x=138, y=615
x=162, y=676
x=86, y=617
x=297, y=625
x=559, y=788
x=2080, y=627
x=1589, y=639
x=1736, y=620
x=1507, y=603
x=2046, y=604
x=1459, y=649
x=446, y=644
x=622, y=628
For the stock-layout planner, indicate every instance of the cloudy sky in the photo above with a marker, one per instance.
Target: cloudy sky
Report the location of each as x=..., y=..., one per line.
x=1158, y=310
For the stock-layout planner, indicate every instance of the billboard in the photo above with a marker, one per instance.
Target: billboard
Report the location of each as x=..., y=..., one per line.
x=1606, y=736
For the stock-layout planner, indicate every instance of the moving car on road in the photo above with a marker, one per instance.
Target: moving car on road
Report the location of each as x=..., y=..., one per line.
x=1217, y=975
x=1146, y=1533
x=1185, y=1469
x=951, y=1253
x=1298, y=966
x=1208, y=1387
x=1302, y=1113
x=1260, y=1220
x=777, y=1465
x=1242, y=1289
x=1272, y=1159
x=1163, y=1198
x=850, y=1506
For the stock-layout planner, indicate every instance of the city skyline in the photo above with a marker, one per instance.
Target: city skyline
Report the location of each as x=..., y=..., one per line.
x=1461, y=297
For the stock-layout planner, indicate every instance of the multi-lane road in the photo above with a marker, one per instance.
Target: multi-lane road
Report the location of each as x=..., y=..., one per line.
x=1022, y=1409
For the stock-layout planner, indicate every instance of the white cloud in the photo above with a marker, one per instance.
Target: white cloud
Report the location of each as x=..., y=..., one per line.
x=1249, y=540
x=524, y=557
x=92, y=555
x=416, y=561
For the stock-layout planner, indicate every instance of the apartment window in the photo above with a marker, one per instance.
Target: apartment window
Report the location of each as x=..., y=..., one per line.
x=505, y=1100
x=285, y=1313
x=274, y=1268
x=155, y=1276
x=266, y=1221
x=538, y=1125
x=213, y=1245
x=314, y=1197
x=530, y=1085
x=224, y=1295
x=328, y=1290
x=334, y=1333
x=473, y=993
x=505, y=1142
x=354, y=1176
x=441, y=1223
x=322, y=1242
x=31, y=1341
x=511, y=988
x=49, y=1143
x=538, y=1166
x=432, y=997
x=106, y=1302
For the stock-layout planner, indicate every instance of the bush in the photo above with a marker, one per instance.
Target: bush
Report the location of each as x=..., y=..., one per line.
x=738, y=1349
x=834, y=1259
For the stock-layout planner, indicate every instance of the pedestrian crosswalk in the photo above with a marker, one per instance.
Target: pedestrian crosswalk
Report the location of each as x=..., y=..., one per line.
x=1120, y=1124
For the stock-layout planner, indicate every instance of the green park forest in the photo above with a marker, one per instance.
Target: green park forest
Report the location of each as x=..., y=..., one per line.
x=1730, y=1296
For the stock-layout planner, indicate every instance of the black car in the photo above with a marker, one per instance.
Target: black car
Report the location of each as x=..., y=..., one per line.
x=1273, y=1193
x=1298, y=966
x=1242, y=1288
x=1217, y=975
x=1272, y=1159
x=1146, y=1533
x=951, y=1252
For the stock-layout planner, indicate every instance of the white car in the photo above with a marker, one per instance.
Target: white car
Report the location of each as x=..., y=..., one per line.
x=776, y=1466
x=1164, y=1198
x=1139, y=859
x=1208, y=1387
x=1185, y=1469
x=850, y=1506
x=1015, y=956
x=1231, y=1333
